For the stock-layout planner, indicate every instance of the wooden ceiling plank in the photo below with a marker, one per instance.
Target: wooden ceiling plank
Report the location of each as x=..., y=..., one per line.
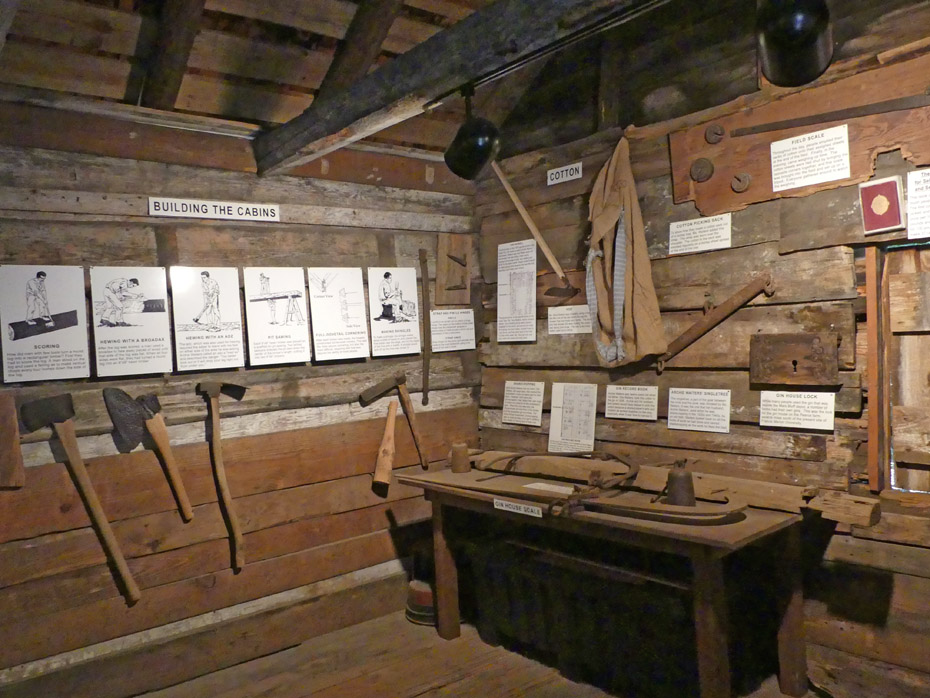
x=360, y=48
x=484, y=42
x=180, y=22
x=60, y=69
x=7, y=11
x=325, y=17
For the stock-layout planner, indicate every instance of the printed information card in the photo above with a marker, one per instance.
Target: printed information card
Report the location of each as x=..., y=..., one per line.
x=516, y=291
x=337, y=307
x=700, y=234
x=697, y=409
x=276, y=313
x=574, y=408
x=569, y=319
x=813, y=158
x=452, y=330
x=797, y=410
x=131, y=328
x=207, y=318
x=392, y=307
x=632, y=402
x=918, y=204
x=523, y=402
x=45, y=323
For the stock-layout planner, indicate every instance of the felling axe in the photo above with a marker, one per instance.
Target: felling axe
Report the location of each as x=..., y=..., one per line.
x=131, y=418
x=57, y=412
x=212, y=391
x=399, y=381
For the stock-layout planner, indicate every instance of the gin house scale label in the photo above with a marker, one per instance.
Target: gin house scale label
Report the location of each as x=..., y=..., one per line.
x=220, y=210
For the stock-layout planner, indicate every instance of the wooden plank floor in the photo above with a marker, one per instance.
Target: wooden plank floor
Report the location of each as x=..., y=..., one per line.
x=390, y=657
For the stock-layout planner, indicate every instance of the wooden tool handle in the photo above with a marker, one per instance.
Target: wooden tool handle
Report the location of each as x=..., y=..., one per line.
x=524, y=214
x=222, y=486
x=12, y=473
x=68, y=438
x=407, y=404
x=385, y=462
x=427, y=331
x=159, y=433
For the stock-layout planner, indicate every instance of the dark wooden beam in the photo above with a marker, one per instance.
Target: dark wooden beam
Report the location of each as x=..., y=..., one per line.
x=7, y=10
x=180, y=22
x=360, y=47
x=610, y=81
x=501, y=35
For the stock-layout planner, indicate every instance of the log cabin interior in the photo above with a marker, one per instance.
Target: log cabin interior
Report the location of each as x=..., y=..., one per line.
x=746, y=510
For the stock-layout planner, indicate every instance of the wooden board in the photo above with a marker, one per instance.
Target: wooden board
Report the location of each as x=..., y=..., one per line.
x=453, y=280
x=744, y=401
x=909, y=300
x=793, y=359
x=726, y=346
x=741, y=439
x=12, y=474
x=750, y=154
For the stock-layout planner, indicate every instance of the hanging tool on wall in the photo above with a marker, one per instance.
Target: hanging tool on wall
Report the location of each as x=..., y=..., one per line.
x=385, y=463
x=131, y=418
x=568, y=291
x=57, y=412
x=427, y=332
x=399, y=381
x=237, y=392
x=12, y=473
x=717, y=314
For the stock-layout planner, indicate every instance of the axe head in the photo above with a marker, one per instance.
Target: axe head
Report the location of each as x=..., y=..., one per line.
x=369, y=395
x=214, y=388
x=128, y=417
x=150, y=403
x=47, y=411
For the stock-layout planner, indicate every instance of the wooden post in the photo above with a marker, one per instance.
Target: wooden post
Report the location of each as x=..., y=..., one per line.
x=447, y=580
x=878, y=428
x=792, y=650
x=710, y=624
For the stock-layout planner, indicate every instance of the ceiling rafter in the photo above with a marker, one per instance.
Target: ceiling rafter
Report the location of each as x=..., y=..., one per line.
x=489, y=41
x=177, y=29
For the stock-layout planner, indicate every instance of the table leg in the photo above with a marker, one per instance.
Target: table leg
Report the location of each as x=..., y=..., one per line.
x=792, y=650
x=447, y=580
x=710, y=624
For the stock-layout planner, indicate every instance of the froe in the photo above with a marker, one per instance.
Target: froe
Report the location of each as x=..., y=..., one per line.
x=212, y=390
x=57, y=412
x=132, y=418
x=399, y=381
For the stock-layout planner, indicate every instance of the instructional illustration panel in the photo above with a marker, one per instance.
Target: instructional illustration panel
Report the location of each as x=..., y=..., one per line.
x=45, y=323
x=207, y=317
x=276, y=313
x=516, y=291
x=392, y=304
x=130, y=307
x=574, y=408
x=337, y=307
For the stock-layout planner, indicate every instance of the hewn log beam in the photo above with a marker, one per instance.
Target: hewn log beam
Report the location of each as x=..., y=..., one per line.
x=180, y=22
x=501, y=97
x=7, y=10
x=360, y=47
x=503, y=34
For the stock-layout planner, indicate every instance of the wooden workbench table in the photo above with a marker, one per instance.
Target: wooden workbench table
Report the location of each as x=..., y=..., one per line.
x=705, y=546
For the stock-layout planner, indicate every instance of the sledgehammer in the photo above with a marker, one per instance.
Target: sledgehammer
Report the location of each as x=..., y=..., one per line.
x=399, y=381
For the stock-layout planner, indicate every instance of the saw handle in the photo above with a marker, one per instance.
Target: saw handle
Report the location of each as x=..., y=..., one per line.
x=385, y=462
x=222, y=486
x=407, y=404
x=159, y=434
x=68, y=438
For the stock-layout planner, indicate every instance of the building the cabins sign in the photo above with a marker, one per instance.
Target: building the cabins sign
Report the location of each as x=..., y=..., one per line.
x=221, y=210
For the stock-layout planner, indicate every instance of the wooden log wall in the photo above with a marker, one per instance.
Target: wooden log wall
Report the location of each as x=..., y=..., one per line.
x=866, y=584
x=322, y=550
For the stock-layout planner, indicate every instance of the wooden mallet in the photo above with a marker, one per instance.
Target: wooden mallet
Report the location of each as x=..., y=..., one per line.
x=399, y=381
x=385, y=463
